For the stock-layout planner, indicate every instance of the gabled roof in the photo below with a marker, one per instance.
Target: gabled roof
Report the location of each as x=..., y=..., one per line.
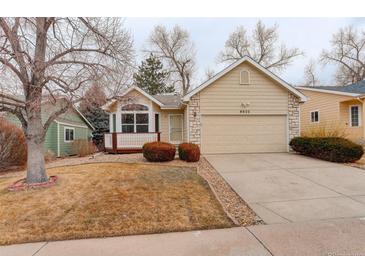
x=255, y=64
x=354, y=89
x=144, y=94
x=46, y=99
x=165, y=101
x=108, y=104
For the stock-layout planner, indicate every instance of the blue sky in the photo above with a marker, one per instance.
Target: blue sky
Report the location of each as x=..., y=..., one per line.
x=311, y=35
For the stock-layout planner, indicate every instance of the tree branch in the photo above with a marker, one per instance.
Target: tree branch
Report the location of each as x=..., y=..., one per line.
x=18, y=113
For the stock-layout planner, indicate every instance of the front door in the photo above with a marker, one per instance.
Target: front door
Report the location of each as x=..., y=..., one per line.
x=176, y=128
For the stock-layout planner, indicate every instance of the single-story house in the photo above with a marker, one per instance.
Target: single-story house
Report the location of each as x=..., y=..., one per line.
x=341, y=107
x=68, y=127
x=245, y=108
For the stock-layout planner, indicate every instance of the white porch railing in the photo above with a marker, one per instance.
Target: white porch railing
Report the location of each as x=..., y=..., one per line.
x=108, y=140
x=121, y=142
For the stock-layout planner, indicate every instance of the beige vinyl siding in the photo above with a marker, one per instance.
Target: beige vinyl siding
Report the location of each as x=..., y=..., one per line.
x=244, y=134
x=354, y=133
x=137, y=98
x=262, y=128
x=225, y=95
x=333, y=112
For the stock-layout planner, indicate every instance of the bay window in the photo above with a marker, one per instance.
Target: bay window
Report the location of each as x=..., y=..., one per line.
x=135, y=118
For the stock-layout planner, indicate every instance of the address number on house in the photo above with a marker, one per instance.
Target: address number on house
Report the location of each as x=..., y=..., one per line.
x=245, y=108
x=245, y=111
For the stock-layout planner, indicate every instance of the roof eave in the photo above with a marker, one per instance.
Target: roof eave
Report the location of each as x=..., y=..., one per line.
x=167, y=107
x=331, y=91
x=85, y=119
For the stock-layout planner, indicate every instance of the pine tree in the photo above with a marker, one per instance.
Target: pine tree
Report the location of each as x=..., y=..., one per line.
x=152, y=78
x=90, y=107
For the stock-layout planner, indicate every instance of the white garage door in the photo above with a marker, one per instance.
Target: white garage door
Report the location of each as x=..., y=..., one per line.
x=243, y=134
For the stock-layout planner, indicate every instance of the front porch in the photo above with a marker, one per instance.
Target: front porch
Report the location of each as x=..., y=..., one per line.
x=119, y=142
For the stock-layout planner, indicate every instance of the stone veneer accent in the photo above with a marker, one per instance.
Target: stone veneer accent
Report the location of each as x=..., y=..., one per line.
x=194, y=120
x=293, y=116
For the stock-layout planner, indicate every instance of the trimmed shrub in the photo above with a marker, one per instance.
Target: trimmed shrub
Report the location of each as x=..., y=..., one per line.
x=331, y=149
x=159, y=151
x=82, y=147
x=189, y=152
x=13, y=146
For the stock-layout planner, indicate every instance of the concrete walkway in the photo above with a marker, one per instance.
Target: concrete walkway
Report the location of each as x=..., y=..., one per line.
x=335, y=237
x=232, y=241
x=285, y=188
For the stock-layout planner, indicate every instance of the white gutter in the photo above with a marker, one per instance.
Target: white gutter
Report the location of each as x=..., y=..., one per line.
x=330, y=91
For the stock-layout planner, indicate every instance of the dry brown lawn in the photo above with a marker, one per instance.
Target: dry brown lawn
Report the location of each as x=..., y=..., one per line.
x=109, y=199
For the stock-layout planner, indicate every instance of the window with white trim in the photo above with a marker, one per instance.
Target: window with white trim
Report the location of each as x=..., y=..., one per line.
x=135, y=118
x=355, y=116
x=69, y=135
x=315, y=116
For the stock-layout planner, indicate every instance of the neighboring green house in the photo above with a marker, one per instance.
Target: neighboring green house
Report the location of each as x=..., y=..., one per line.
x=68, y=127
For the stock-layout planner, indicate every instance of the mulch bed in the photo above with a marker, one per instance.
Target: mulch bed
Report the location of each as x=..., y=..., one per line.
x=232, y=203
x=21, y=184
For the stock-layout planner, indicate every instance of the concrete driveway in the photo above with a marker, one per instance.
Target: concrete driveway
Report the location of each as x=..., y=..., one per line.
x=283, y=187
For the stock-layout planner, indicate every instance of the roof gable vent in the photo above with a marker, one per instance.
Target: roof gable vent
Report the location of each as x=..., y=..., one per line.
x=244, y=77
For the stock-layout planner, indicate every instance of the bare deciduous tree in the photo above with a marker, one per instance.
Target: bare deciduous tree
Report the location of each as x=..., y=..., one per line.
x=310, y=78
x=177, y=52
x=262, y=46
x=209, y=73
x=93, y=97
x=54, y=57
x=348, y=52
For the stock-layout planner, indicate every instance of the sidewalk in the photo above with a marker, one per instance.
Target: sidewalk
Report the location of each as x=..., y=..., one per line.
x=232, y=241
x=330, y=237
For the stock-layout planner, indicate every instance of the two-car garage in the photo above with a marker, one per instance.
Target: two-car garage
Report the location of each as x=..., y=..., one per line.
x=244, y=109
x=243, y=134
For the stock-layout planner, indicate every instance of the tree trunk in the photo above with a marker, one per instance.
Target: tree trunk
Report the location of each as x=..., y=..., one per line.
x=35, y=135
x=35, y=132
x=36, y=168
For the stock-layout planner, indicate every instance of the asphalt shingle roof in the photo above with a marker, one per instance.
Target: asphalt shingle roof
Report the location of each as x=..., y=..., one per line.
x=358, y=87
x=169, y=100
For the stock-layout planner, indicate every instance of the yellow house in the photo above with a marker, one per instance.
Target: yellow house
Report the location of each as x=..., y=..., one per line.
x=243, y=109
x=340, y=108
